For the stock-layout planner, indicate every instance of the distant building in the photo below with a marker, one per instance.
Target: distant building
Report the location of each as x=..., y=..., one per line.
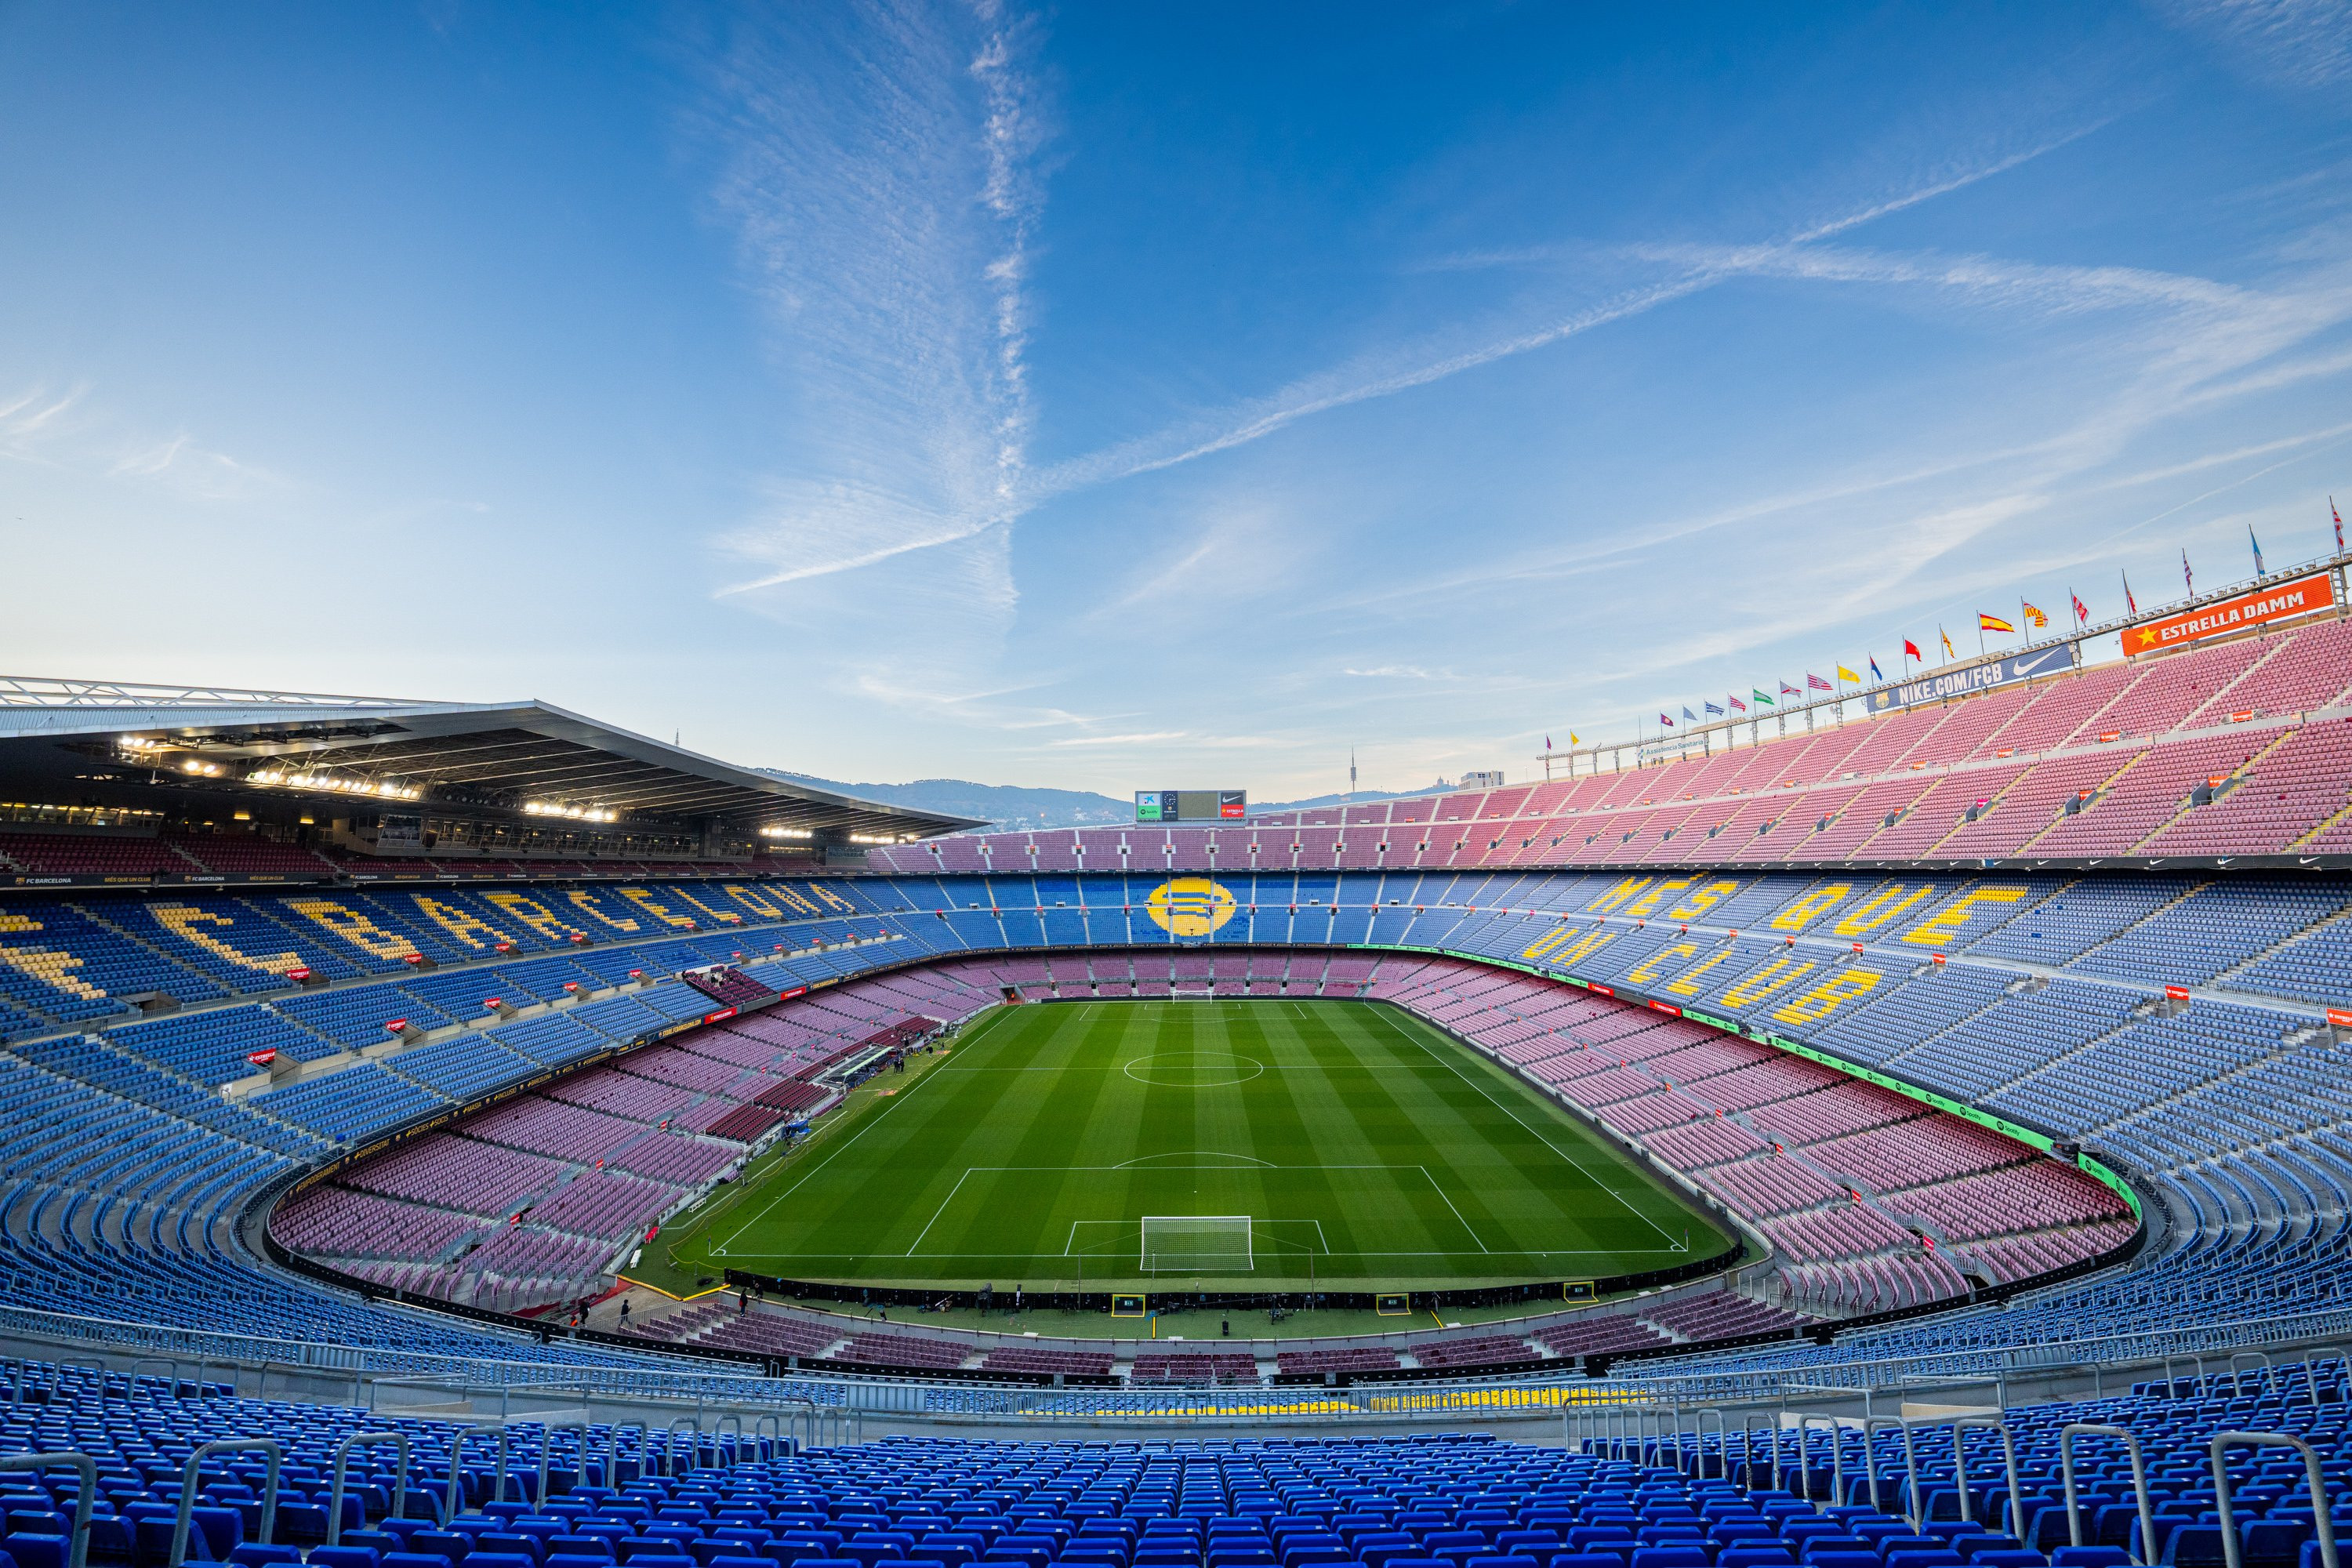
x=1493, y=779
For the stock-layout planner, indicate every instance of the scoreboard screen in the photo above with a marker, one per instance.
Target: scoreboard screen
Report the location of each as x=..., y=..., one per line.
x=1190, y=804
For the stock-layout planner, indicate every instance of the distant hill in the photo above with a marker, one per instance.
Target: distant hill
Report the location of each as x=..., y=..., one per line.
x=1358, y=798
x=1006, y=805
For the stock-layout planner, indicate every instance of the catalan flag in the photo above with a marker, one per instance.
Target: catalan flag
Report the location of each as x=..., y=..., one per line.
x=1948, y=652
x=1993, y=623
x=2033, y=614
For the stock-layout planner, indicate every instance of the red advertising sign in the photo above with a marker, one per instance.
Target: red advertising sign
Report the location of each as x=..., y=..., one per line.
x=262, y=1059
x=2339, y=1018
x=2176, y=992
x=2300, y=597
x=297, y=974
x=395, y=1025
x=1667, y=1008
x=720, y=1017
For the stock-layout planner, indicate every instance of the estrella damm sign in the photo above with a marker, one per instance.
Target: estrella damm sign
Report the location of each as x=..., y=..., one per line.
x=1188, y=906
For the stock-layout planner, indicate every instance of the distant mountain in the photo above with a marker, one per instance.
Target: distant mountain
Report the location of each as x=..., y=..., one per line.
x=1358, y=798
x=1005, y=806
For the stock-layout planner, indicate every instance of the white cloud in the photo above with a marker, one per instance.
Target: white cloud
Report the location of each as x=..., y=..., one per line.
x=2302, y=44
x=880, y=172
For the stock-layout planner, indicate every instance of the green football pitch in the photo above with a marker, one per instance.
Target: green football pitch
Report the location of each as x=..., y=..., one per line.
x=1225, y=1145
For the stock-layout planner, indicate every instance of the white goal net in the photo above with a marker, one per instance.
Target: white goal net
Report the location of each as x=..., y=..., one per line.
x=1196, y=1244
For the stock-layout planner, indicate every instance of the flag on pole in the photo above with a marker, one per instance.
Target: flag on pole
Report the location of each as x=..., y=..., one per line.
x=2186, y=575
x=1845, y=674
x=1815, y=683
x=2259, y=569
x=1993, y=623
x=1758, y=693
x=1714, y=711
x=1572, y=738
x=2082, y=610
x=2339, y=524
x=1669, y=723
x=2033, y=614
x=1547, y=742
x=1949, y=651
x=1737, y=705
x=1789, y=690
x=2130, y=603
x=1911, y=650
x=1875, y=673
x=1689, y=717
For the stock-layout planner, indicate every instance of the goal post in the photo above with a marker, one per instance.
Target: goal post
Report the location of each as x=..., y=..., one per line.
x=1196, y=1244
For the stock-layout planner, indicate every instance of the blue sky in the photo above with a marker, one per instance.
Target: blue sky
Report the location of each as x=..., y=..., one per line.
x=1121, y=396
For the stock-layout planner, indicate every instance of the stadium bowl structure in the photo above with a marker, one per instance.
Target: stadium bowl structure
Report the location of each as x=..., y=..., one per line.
x=2004, y=1026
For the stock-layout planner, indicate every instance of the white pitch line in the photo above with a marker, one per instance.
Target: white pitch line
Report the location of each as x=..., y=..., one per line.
x=1466, y=1227
x=938, y=1211
x=1579, y=1165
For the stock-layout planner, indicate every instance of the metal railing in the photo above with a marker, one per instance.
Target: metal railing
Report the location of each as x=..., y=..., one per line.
x=819, y=1408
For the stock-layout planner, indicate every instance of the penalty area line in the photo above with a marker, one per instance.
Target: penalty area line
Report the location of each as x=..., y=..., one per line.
x=1627, y=1204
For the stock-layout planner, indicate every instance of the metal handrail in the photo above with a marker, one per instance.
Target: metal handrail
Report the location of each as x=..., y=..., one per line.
x=457, y=1436
x=343, y=1474
x=547, y=1451
x=669, y=1444
x=1871, y=1427
x=2270, y=1373
x=1837, y=1458
x=1722, y=1441
x=170, y=1364
x=2232, y=1555
x=2009, y=1458
x=2066, y=1435
x=78, y=1552
x=718, y=1424
x=268, y=1448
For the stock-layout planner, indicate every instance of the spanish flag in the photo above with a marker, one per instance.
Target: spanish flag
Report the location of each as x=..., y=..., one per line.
x=1992, y=624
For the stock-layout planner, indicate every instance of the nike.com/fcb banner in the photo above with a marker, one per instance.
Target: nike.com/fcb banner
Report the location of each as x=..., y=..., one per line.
x=2300, y=597
x=1950, y=683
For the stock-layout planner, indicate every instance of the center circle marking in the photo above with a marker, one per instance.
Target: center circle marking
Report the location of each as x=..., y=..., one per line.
x=1194, y=1069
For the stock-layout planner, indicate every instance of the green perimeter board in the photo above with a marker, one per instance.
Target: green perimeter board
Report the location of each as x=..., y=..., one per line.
x=1367, y=1150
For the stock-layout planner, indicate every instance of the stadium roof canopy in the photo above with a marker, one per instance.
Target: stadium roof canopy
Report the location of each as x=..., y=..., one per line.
x=528, y=756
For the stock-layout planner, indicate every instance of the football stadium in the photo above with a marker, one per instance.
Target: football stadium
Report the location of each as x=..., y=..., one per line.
x=1892, y=1111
